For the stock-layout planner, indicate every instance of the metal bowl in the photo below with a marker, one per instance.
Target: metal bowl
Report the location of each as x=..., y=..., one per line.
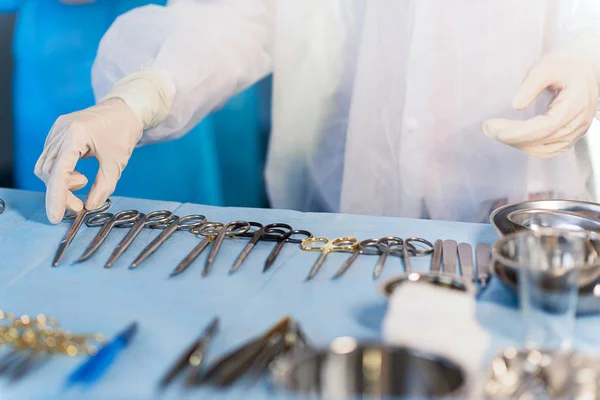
x=535, y=219
x=508, y=253
x=584, y=210
x=350, y=370
x=435, y=278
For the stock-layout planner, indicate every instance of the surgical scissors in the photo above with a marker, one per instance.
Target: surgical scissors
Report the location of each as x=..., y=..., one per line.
x=210, y=231
x=107, y=222
x=383, y=246
x=416, y=252
x=285, y=238
x=257, y=235
x=176, y=224
x=345, y=243
x=78, y=219
x=226, y=230
x=150, y=219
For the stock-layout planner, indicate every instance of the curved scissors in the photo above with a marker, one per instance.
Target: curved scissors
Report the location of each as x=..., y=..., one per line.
x=209, y=231
x=107, y=221
x=283, y=239
x=150, y=219
x=277, y=228
x=2, y=206
x=379, y=247
x=428, y=249
x=176, y=224
x=226, y=230
x=77, y=219
x=326, y=246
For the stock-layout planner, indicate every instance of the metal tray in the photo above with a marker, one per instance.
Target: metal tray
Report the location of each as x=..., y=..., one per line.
x=499, y=218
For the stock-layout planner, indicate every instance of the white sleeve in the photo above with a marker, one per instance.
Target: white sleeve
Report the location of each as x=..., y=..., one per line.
x=585, y=18
x=583, y=35
x=202, y=52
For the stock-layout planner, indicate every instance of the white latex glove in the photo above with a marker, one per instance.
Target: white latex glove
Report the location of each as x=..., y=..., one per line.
x=108, y=131
x=574, y=74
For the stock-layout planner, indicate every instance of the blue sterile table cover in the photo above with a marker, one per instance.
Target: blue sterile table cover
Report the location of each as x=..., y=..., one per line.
x=172, y=312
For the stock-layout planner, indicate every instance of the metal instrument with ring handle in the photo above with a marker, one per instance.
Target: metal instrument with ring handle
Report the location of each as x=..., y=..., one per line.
x=176, y=224
x=107, y=222
x=145, y=220
x=78, y=219
x=326, y=246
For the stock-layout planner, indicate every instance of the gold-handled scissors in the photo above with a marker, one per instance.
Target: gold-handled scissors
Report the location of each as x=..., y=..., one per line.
x=326, y=246
x=78, y=220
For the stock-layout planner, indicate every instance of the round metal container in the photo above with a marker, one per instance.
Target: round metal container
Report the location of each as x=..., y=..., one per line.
x=505, y=254
x=584, y=210
x=348, y=370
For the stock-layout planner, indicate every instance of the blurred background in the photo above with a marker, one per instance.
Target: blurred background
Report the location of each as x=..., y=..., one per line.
x=47, y=49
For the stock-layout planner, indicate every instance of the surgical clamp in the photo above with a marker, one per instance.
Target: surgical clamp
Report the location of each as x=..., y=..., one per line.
x=107, y=222
x=327, y=246
x=178, y=223
x=228, y=229
x=286, y=238
x=210, y=231
x=256, y=237
x=78, y=219
x=150, y=219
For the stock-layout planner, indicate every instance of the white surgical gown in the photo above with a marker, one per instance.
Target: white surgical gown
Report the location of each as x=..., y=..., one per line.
x=377, y=105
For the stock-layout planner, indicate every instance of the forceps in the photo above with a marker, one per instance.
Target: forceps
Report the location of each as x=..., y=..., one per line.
x=210, y=231
x=150, y=219
x=345, y=243
x=175, y=224
x=283, y=239
x=226, y=230
x=78, y=219
x=107, y=221
x=280, y=229
x=192, y=358
x=383, y=247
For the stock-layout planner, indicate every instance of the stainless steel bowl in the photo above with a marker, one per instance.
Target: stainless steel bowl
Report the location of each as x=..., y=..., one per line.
x=535, y=219
x=512, y=251
x=350, y=370
x=584, y=210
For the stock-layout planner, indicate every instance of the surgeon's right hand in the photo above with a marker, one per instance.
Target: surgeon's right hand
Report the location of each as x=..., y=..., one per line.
x=108, y=131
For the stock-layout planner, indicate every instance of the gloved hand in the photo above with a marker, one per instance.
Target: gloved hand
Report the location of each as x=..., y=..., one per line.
x=108, y=131
x=574, y=74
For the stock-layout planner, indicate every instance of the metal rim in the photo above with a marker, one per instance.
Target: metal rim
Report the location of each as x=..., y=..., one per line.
x=434, y=278
x=550, y=205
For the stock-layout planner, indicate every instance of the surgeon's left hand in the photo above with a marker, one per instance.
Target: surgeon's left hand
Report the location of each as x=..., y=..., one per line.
x=573, y=74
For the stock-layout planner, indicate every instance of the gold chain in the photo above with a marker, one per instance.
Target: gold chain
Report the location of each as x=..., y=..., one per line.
x=43, y=334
